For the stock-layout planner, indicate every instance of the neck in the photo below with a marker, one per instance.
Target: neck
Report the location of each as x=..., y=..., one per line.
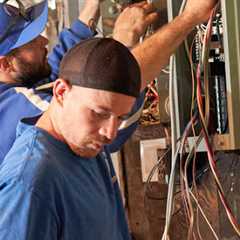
x=45, y=122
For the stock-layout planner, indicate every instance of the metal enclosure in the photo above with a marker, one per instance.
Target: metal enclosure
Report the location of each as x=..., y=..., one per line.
x=182, y=77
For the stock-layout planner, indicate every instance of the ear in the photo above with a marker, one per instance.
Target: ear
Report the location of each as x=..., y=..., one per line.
x=60, y=89
x=5, y=64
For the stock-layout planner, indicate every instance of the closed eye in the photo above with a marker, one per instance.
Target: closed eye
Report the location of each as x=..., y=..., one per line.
x=101, y=115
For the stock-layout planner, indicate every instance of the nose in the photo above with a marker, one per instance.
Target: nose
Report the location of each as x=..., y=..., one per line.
x=109, y=128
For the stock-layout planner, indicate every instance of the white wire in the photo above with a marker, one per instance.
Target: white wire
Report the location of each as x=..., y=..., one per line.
x=169, y=206
x=165, y=71
x=203, y=214
x=175, y=148
x=182, y=6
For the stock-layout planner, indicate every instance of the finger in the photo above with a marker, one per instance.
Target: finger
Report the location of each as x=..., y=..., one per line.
x=149, y=8
x=138, y=4
x=151, y=18
x=146, y=7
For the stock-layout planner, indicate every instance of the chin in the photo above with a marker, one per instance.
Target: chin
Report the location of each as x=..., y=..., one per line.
x=86, y=149
x=90, y=155
x=86, y=153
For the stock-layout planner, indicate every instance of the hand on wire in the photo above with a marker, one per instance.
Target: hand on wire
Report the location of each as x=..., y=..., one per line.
x=133, y=22
x=199, y=10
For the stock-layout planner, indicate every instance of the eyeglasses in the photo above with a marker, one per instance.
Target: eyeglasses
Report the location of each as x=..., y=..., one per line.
x=17, y=14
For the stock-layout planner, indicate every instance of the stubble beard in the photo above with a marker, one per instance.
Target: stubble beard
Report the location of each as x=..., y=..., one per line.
x=86, y=148
x=30, y=73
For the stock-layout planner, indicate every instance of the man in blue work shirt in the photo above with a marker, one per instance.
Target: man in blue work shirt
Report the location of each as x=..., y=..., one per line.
x=23, y=57
x=23, y=62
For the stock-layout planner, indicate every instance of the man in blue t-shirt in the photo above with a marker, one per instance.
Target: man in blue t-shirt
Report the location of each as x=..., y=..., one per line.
x=63, y=185
x=23, y=59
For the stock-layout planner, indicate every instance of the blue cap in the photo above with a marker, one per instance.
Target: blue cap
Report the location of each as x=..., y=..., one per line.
x=23, y=30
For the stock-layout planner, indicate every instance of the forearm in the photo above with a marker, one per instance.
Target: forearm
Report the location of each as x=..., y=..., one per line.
x=154, y=53
x=67, y=39
x=78, y=31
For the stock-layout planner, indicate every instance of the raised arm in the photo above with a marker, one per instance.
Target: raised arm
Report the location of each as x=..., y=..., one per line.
x=129, y=27
x=154, y=53
x=79, y=31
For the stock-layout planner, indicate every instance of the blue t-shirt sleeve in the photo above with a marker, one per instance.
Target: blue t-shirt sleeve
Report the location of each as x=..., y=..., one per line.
x=131, y=124
x=67, y=39
x=24, y=216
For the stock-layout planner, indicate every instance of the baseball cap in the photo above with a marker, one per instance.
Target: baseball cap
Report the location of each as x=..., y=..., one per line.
x=104, y=64
x=21, y=22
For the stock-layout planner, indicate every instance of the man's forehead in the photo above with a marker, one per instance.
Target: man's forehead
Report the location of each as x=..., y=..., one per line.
x=94, y=92
x=107, y=100
x=26, y=3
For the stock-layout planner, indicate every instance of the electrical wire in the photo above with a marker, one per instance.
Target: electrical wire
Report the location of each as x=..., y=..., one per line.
x=175, y=150
x=205, y=118
x=179, y=149
x=146, y=187
x=204, y=36
x=183, y=172
x=212, y=164
x=175, y=147
x=204, y=215
x=210, y=153
x=187, y=199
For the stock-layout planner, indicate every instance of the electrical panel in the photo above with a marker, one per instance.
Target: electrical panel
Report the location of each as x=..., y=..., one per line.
x=223, y=74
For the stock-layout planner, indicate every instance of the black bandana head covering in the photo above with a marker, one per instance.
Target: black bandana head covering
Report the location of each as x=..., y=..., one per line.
x=104, y=64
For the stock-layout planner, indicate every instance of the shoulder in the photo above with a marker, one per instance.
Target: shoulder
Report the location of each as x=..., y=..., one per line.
x=38, y=99
x=29, y=160
x=19, y=102
x=28, y=97
x=18, y=157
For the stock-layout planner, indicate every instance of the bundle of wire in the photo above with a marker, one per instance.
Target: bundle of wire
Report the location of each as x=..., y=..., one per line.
x=203, y=120
x=191, y=194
